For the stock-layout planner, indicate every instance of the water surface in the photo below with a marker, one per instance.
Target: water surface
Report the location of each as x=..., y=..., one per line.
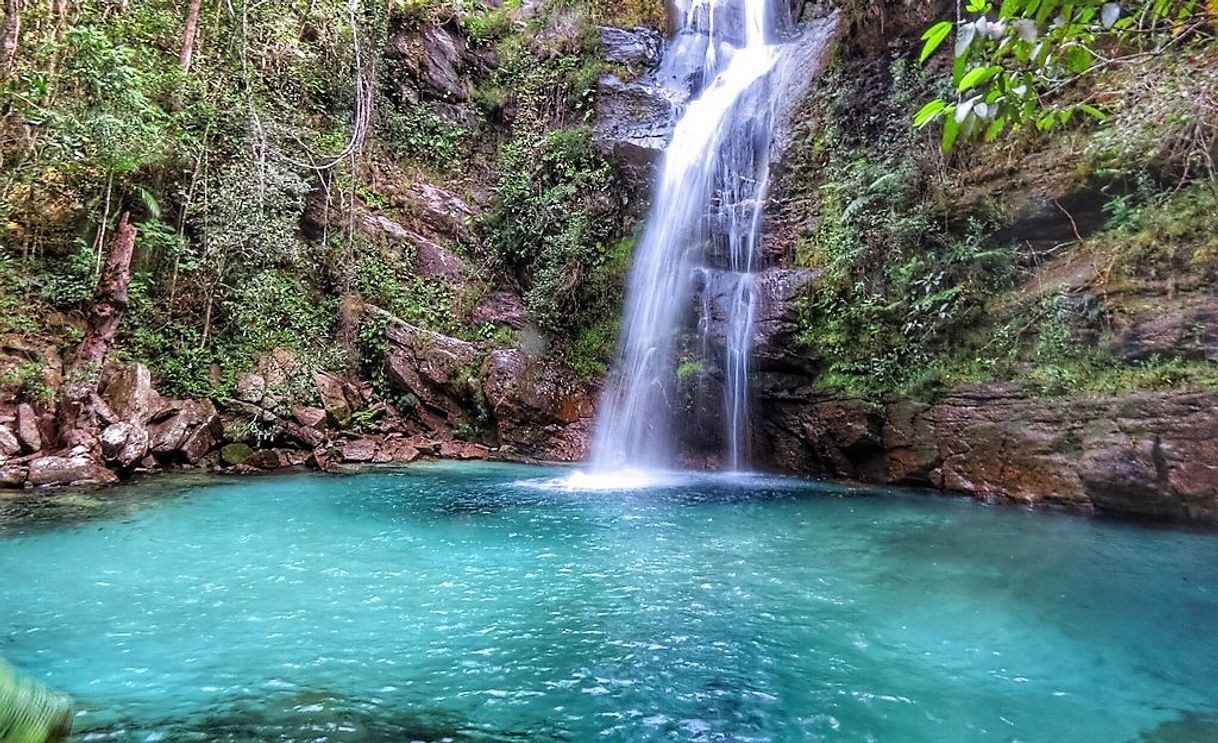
x=488, y=602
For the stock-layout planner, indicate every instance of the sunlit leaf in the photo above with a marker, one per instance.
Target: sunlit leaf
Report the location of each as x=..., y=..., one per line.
x=934, y=37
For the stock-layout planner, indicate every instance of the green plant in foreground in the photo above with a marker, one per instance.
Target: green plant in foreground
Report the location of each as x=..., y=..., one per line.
x=1012, y=59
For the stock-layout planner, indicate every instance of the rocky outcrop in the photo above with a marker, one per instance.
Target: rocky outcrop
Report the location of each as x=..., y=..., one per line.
x=638, y=48
x=525, y=405
x=775, y=345
x=1147, y=454
x=184, y=431
x=542, y=410
x=441, y=372
x=634, y=121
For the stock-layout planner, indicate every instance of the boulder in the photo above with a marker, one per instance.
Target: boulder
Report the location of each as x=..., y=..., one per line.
x=396, y=451
x=27, y=428
x=541, y=410
x=251, y=388
x=184, y=431
x=234, y=454
x=501, y=308
x=359, y=451
x=9, y=445
x=340, y=398
x=274, y=459
x=127, y=391
x=309, y=417
x=463, y=450
x=13, y=476
x=124, y=444
x=75, y=469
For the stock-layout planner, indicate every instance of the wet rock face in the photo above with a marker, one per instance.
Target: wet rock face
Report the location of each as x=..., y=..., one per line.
x=634, y=121
x=1146, y=454
x=776, y=325
x=636, y=48
x=542, y=411
x=440, y=371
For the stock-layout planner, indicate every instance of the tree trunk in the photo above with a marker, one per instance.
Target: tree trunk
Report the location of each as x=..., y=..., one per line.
x=188, y=36
x=9, y=32
x=78, y=410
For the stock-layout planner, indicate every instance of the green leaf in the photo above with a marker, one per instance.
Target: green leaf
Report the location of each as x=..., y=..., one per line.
x=995, y=128
x=977, y=76
x=1079, y=58
x=934, y=37
x=929, y=112
x=1093, y=111
x=951, y=130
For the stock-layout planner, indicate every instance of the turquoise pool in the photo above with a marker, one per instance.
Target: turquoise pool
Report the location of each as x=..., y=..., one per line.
x=491, y=602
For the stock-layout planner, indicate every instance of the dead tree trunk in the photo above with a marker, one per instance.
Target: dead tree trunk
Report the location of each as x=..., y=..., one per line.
x=9, y=31
x=78, y=410
x=188, y=36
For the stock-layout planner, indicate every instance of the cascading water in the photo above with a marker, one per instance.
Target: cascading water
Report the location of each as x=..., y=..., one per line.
x=704, y=225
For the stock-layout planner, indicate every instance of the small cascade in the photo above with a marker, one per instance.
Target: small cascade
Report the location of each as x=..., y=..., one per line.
x=702, y=233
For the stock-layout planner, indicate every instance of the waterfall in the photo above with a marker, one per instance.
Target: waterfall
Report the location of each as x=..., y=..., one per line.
x=701, y=234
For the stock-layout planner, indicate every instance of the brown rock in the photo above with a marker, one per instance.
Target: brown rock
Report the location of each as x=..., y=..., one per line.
x=339, y=397
x=501, y=308
x=13, y=476
x=463, y=450
x=251, y=388
x=27, y=428
x=440, y=371
x=1150, y=454
x=185, y=430
x=77, y=470
x=127, y=391
x=309, y=416
x=124, y=444
x=396, y=451
x=9, y=445
x=541, y=409
x=275, y=459
x=359, y=451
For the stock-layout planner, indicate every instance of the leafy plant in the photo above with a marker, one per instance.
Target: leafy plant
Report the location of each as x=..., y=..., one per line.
x=1013, y=59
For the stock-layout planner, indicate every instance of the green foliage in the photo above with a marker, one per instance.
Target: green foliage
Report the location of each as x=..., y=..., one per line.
x=386, y=279
x=589, y=352
x=901, y=280
x=27, y=383
x=1012, y=59
x=554, y=222
x=422, y=134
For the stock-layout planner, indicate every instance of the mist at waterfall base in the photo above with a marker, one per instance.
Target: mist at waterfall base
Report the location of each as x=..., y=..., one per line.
x=703, y=229
x=467, y=602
